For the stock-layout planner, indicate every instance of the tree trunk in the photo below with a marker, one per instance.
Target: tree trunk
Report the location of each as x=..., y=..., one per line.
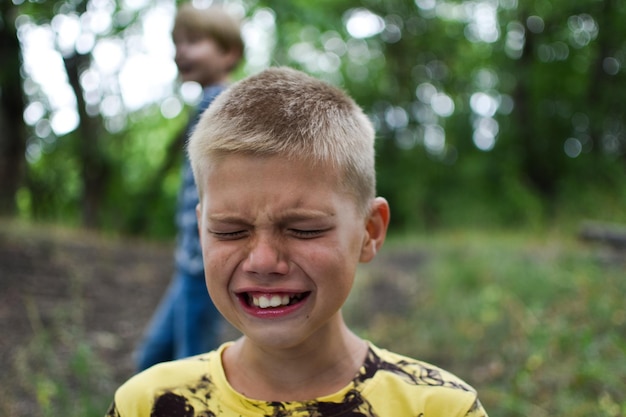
x=94, y=169
x=12, y=128
x=534, y=151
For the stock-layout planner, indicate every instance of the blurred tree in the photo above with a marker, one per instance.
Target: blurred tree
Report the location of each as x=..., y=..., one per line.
x=92, y=161
x=487, y=112
x=566, y=76
x=89, y=145
x=12, y=128
x=481, y=104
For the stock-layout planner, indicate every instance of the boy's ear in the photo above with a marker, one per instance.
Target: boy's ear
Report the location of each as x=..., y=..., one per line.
x=376, y=226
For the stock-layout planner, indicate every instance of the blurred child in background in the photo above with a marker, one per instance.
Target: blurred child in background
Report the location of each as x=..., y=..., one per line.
x=208, y=48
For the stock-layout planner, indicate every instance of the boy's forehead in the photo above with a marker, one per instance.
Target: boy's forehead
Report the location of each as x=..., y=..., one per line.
x=315, y=166
x=218, y=168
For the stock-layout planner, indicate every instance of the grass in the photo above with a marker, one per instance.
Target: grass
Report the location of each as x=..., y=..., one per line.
x=58, y=368
x=537, y=323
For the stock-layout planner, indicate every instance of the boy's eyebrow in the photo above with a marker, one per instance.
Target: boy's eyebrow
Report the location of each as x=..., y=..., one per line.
x=302, y=215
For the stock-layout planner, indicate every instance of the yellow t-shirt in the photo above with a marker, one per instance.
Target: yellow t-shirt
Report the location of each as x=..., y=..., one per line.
x=387, y=385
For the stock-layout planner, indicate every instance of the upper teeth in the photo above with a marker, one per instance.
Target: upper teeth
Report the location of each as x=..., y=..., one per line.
x=265, y=301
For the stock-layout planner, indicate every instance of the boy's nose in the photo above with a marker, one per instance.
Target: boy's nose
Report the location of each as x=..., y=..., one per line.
x=266, y=257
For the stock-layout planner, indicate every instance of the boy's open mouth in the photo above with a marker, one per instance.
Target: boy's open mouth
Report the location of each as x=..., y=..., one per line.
x=269, y=300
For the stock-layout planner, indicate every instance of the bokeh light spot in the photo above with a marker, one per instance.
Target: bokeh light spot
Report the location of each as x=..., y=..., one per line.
x=396, y=117
x=572, y=147
x=535, y=24
x=434, y=139
x=34, y=112
x=442, y=104
x=483, y=104
x=362, y=23
x=611, y=65
x=171, y=107
x=191, y=92
x=425, y=92
x=64, y=121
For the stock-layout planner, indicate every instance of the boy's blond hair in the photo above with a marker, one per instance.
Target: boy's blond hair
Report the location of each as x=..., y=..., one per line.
x=213, y=22
x=284, y=112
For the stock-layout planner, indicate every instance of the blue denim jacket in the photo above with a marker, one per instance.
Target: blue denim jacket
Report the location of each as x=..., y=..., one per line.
x=188, y=252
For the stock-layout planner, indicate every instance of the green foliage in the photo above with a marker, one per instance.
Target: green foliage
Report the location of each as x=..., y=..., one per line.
x=536, y=324
x=140, y=198
x=554, y=147
x=554, y=78
x=53, y=187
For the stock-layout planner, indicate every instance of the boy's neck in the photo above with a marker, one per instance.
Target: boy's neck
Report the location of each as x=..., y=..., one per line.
x=298, y=374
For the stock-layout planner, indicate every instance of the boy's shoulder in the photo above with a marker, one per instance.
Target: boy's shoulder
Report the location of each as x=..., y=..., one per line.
x=414, y=370
x=166, y=383
x=393, y=376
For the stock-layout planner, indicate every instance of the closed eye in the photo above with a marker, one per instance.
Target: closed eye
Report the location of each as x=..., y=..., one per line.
x=238, y=234
x=307, y=234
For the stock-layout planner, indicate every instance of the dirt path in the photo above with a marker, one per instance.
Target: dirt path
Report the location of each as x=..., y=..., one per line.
x=104, y=288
